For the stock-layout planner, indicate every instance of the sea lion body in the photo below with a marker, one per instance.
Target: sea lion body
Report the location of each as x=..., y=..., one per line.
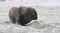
x=22, y=15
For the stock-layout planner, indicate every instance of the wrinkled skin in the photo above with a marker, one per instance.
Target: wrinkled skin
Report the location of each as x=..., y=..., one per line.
x=22, y=15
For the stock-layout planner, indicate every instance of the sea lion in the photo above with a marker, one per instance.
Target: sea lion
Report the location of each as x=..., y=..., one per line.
x=22, y=15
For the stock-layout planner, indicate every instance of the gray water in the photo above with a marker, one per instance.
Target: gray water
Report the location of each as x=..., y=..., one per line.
x=48, y=18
